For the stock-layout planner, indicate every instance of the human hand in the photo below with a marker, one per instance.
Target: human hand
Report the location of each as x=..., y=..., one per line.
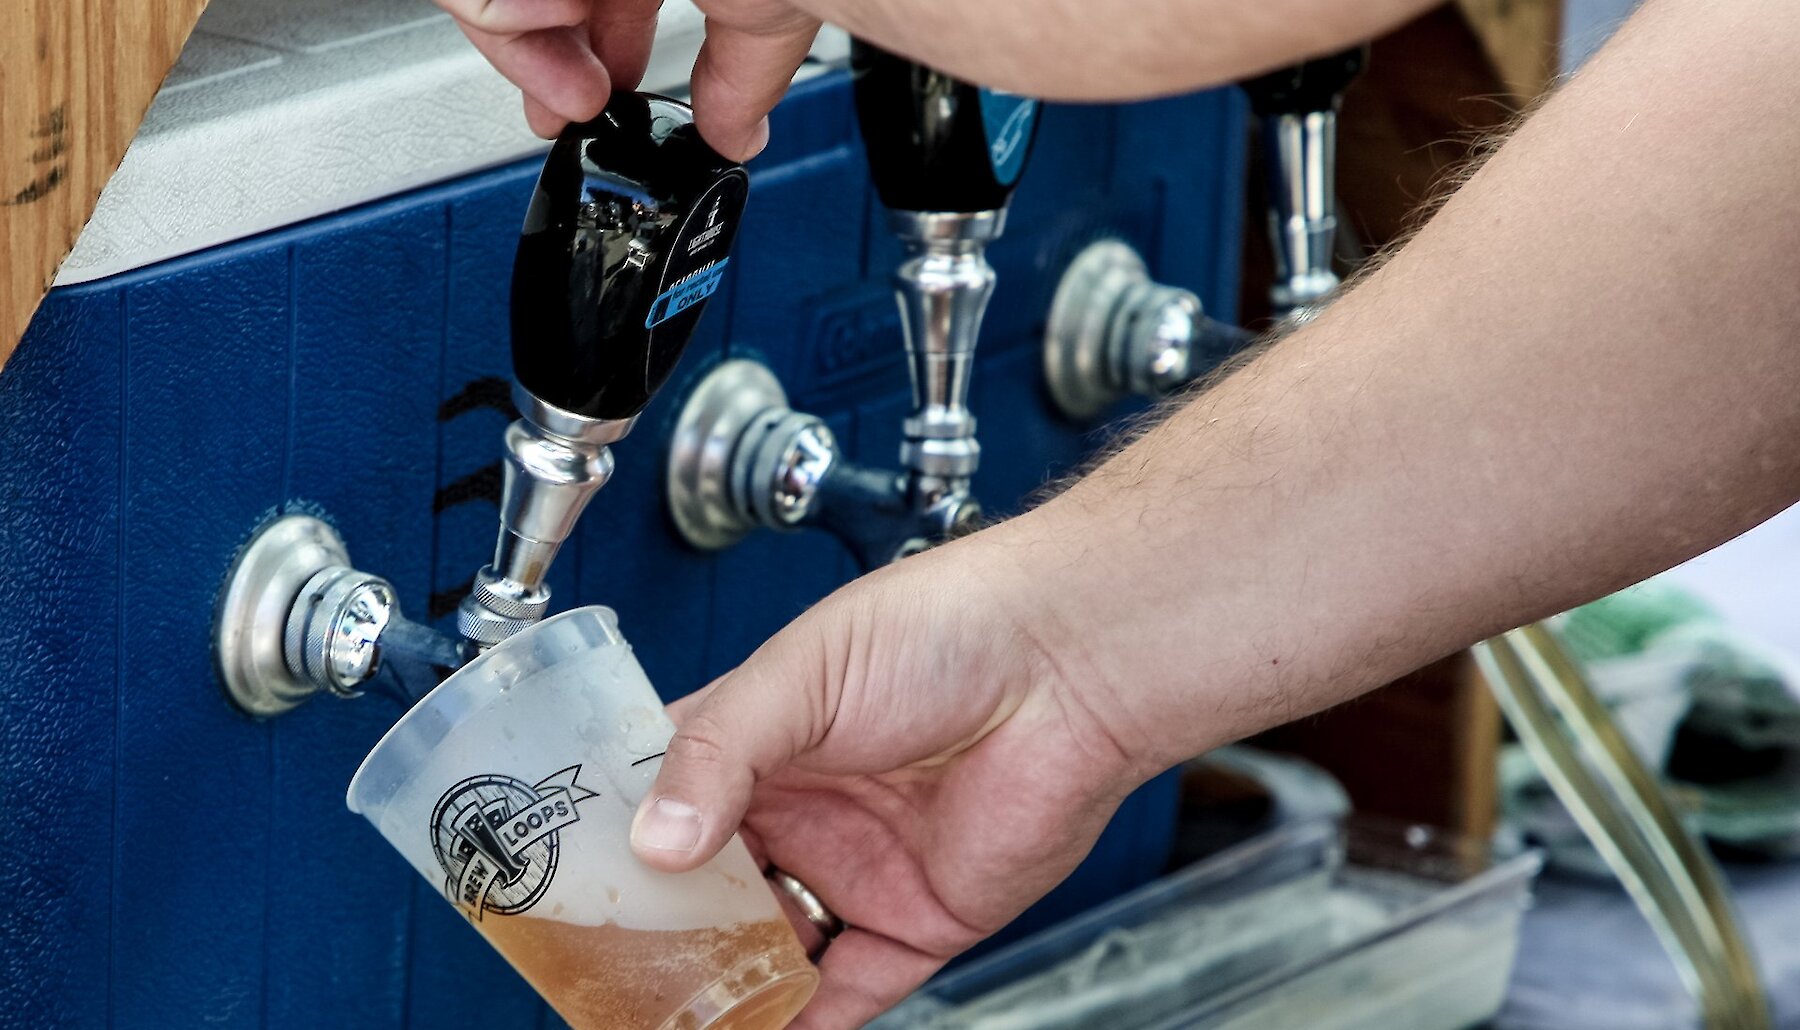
x=568, y=56
x=914, y=750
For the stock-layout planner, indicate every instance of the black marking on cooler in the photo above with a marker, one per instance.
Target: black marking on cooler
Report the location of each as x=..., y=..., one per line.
x=486, y=392
x=648, y=758
x=484, y=484
x=445, y=602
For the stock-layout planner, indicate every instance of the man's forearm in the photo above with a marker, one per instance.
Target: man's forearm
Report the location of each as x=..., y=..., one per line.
x=1581, y=372
x=1112, y=49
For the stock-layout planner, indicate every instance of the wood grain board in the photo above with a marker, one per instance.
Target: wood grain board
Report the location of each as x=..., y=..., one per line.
x=76, y=77
x=1522, y=38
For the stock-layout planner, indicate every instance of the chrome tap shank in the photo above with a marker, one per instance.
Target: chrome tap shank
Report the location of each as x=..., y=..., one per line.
x=555, y=462
x=1298, y=106
x=1303, y=223
x=942, y=288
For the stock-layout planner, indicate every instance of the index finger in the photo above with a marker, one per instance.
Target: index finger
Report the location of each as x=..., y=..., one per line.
x=740, y=75
x=623, y=32
x=511, y=17
x=556, y=68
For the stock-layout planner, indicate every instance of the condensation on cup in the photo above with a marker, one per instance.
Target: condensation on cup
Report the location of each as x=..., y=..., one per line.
x=511, y=787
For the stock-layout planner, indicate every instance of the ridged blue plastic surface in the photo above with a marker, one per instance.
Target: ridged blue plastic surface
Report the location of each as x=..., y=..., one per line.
x=173, y=864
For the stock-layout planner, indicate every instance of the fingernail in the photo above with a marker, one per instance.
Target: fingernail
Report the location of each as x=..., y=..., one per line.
x=666, y=825
x=760, y=140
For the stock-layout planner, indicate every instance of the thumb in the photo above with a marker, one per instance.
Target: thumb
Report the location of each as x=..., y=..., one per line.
x=748, y=724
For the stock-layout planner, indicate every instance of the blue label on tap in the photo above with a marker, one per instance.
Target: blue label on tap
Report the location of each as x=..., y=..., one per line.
x=1007, y=119
x=685, y=294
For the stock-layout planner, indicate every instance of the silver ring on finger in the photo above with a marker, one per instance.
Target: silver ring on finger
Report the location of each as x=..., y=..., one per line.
x=819, y=914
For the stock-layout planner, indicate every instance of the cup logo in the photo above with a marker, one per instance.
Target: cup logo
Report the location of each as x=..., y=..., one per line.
x=496, y=838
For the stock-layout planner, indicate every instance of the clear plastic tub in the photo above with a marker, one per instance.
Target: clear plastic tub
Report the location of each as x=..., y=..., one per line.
x=1305, y=926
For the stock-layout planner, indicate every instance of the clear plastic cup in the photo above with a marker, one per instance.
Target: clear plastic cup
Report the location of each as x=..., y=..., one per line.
x=512, y=787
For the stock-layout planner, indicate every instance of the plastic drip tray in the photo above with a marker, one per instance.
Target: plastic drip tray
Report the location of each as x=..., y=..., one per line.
x=1308, y=925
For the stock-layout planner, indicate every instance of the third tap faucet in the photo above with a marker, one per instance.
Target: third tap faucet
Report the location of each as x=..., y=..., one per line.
x=944, y=156
x=1114, y=332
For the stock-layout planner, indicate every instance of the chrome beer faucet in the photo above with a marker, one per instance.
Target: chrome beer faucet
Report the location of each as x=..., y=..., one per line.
x=944, y=156
x=628, y=233
x=1115, y=332
x=1298, y=106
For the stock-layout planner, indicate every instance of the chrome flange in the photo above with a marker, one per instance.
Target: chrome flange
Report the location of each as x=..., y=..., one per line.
x=718, y=420
x=251, y=627
x=333, y=635
x=1115, y=332
x=1077, y=359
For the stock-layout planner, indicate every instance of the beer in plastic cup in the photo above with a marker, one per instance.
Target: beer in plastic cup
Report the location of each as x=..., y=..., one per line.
x=512, y=788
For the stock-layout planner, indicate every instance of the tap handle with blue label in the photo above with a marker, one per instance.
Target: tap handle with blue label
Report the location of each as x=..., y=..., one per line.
x=1315, y=85
x=936, y=143
x=628, y=233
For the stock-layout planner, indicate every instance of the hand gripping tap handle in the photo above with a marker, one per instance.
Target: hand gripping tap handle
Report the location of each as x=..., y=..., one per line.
x=628, y=233
x=1298, y=106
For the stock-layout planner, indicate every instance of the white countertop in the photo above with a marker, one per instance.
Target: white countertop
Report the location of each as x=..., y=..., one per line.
x=283, y=110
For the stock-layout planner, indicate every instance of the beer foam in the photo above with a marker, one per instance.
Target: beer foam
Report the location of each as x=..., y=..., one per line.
x=549, y=742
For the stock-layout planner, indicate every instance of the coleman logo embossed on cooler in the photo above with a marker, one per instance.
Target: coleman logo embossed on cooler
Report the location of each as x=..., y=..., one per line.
x=497, y=838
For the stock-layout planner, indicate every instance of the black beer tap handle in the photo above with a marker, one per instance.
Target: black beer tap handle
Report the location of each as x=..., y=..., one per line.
x=627, y=235
x=934, y=142
x=1314, y=85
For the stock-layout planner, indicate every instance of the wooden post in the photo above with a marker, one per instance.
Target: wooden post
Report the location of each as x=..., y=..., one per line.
x=76, y=77
x=1522, y=38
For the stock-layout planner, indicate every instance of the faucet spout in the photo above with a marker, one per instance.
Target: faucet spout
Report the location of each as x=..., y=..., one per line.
x=1303, y=224
x=627, y=236
x=1298, y=106
x=556, y=461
